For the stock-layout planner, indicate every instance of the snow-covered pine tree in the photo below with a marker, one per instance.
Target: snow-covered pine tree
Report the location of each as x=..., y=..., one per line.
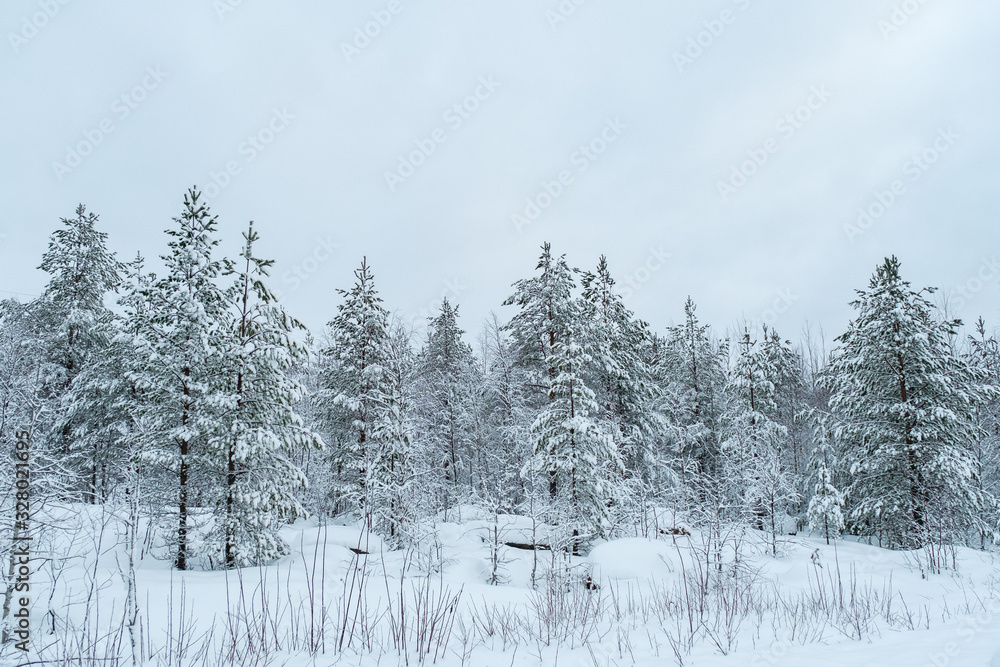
x=262, y=434
x=355, y=381
x=546, y=312
x=759, y=487
x=691, y=374
x=394, y=493
x=620, y=375
x=984, y=353
x=446, y=371
x=505, y=417
x=178, y=344
x=100, y=409
x=20, y=374
x=789, y=411
x=306, y=370
x=571, y=447
x=825, y=513
x=904, y=407
x=114, y=386
x=75, y=328
x=104, y=402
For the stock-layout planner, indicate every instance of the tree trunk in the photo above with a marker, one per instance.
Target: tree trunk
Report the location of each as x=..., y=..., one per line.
x=182, y=499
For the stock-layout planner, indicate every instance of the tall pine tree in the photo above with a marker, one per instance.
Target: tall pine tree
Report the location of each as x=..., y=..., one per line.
x=447, y=382
x=179, y=343
x=904, y=406
x=262, y=433
x=691, y=372
x=760, y=488
x=355, y=385
x=571, y=447
x=547, y=311
x=619, y=373
x=76, y=329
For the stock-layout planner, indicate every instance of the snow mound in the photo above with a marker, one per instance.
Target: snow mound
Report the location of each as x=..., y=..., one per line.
x=634, y=558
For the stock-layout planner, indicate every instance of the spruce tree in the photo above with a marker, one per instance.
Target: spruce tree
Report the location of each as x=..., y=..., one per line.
x=392, y=480
x=546, y=312
x=984, y=353
x=506, y=413
x=23, y=403
x=105, y=401
x=790, y=409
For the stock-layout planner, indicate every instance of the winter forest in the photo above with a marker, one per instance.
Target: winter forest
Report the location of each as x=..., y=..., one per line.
x=211, y=483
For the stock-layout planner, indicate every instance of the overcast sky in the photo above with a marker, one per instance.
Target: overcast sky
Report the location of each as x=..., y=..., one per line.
x=719, y=149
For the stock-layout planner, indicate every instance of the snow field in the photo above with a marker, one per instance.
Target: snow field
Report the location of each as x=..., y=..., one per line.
x=680, y=599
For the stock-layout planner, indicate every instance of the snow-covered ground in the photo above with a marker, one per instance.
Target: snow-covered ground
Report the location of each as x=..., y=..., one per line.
x=624, y=603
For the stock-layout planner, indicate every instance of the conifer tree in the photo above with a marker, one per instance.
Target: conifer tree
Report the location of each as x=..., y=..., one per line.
x=984, y=354
x=18, y=370
x=904, y=407
x=105, y=404
x=507, y=414
x=76, y=328
x=393, y=491
x=546, y=312
x=178, y=344
x=825, y=513
x=691, y=373
x=262, y=432
x=447, y=369
x=571, y=447
x=619, y=373
x=789, y=395
x=355, y=383
x=760, y=487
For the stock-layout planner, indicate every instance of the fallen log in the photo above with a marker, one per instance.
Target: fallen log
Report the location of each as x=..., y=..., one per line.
x=528, y=547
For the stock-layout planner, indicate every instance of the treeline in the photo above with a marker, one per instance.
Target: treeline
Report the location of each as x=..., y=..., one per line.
x=200, y=396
